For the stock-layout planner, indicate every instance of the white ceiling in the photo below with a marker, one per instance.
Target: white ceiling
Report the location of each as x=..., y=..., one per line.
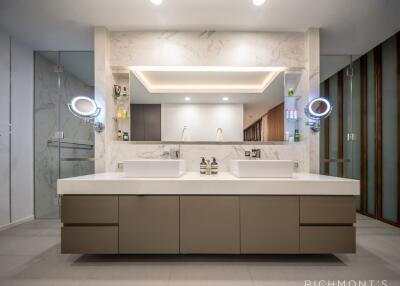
x=347, y=26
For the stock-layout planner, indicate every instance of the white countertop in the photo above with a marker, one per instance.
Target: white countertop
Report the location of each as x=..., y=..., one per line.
x=192, y=183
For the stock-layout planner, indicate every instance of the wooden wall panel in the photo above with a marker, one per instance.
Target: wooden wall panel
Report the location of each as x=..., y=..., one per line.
x=398, y=125
x=378, y=130
x=326, y=133
x=340, y=159
x=276, y=124
x=363, y=133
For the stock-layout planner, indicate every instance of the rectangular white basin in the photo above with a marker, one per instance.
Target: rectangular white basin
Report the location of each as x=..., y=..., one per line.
x=262, y=168
x=154, y=168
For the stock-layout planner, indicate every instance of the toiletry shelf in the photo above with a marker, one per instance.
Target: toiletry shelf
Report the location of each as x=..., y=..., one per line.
x=121, y=97
x=121, y=119
x=296, y=97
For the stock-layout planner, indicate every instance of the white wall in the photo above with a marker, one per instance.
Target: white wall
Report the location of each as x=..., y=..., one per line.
x=202, y=121
x=22, y=131
x=16, y=195
x=4, y=122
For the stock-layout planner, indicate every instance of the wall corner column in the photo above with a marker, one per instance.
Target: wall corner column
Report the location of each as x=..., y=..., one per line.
x=313, y=56
x=103, y=97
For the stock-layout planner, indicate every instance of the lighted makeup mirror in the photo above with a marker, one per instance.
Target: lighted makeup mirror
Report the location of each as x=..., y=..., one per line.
x=86, y=109
x=317, y=109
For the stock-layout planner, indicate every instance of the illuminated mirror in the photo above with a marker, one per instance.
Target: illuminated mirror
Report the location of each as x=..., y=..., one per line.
x=86, y=109
x=317, y=109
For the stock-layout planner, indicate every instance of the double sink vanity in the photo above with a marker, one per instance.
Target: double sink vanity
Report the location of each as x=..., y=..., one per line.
x=259, y=207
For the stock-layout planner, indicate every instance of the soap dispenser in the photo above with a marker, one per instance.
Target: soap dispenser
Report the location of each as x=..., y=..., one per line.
x=203, y=166
x=208, y=168
x=214, y=166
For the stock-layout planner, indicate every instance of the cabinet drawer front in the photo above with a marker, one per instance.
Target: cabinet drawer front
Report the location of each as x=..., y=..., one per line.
x=149, y=224
x=327, y=210
x=89, y=239
x=269, y=224
x=89, y=209
x=327, y=239
x=209, y=224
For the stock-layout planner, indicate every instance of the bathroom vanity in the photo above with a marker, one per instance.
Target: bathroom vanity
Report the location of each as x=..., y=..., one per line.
x=193, y=214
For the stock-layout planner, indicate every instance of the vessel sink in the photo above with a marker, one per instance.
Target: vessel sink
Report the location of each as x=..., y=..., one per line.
x=262, y=168
x=154, y=168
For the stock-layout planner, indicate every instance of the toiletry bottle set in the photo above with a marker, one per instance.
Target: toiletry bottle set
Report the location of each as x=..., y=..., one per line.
x=120, y=92
x=208, y=167
x=291, y=114
x=122, y=136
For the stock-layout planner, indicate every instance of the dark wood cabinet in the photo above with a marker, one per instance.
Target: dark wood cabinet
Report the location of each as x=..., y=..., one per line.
x=146, y=122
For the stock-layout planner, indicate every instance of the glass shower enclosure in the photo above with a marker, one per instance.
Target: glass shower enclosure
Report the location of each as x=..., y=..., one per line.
x=64, y=144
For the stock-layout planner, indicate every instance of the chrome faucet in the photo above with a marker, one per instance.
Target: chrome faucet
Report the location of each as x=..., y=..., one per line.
x=256, y=153
x=172, y=153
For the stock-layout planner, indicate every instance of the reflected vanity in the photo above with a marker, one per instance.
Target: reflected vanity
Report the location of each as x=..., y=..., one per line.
x=236, y=104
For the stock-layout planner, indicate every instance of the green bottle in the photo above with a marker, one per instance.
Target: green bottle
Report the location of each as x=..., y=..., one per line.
x=296, y=135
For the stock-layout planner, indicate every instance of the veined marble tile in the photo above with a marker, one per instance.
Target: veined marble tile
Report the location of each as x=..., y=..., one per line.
x=121, y=151
x=207, y=48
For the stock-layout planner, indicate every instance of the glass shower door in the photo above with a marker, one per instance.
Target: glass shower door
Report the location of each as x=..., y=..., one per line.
x=77, y=149
x=64, y=146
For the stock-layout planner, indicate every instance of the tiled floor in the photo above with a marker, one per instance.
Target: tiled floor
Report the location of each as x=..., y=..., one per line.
x=30, y=255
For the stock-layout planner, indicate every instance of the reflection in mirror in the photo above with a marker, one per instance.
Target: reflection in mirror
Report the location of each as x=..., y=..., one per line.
x=206, y=104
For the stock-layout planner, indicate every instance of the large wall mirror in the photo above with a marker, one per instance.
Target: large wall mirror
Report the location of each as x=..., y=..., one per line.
x=206, y=104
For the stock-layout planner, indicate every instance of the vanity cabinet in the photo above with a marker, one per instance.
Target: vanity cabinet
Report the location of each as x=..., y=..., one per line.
x=90, y=239
x=326, y=224
x=149, y=224
x=269, y=224
x=209, y=224
x=327, y=210
x=90, y=224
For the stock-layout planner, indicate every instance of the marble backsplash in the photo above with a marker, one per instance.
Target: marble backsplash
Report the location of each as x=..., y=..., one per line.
x=121, y=151
x=209, y=48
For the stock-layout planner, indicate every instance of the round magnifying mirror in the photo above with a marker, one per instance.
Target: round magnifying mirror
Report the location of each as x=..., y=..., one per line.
x=84, y=106
x=318, y=108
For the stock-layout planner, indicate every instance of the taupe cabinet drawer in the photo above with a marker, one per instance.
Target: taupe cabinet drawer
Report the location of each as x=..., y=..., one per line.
x=149, y=224
x=327, y=239
x=209, y=224
x=269, y=224
x=327, y=210
x=89, y=209
x=89, y=239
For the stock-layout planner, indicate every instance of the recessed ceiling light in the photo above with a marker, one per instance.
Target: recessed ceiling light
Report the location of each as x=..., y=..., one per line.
x=156, y=2
x=225, y=98
x=258, y=2
x=187, y=98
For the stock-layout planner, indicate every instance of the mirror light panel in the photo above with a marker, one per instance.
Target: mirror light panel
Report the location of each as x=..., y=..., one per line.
x=272, y=73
